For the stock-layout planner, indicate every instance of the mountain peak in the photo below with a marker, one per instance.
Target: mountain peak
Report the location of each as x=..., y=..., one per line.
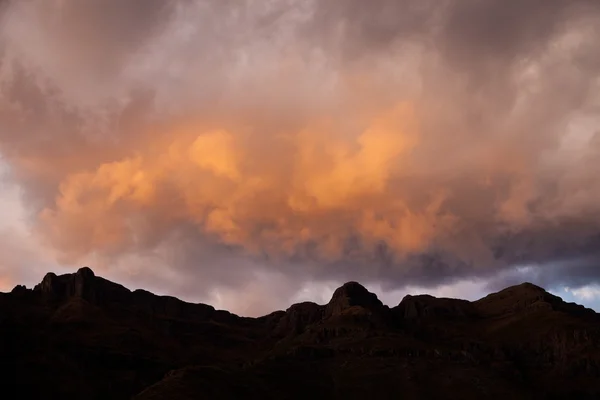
x=529, y=286
x=83, y=283
x=526, y=296
x=85, y=272
x=522, y=290
x=425, y=305
x=50, y=285
x=352, y=294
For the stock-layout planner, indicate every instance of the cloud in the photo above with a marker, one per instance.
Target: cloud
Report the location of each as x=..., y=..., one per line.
x=22, y=261
x=400, y=143
x=586, y=292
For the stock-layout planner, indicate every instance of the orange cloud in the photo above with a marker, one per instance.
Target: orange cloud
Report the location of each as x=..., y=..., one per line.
x=331, y=172
x=338, y=185
x=215, y=152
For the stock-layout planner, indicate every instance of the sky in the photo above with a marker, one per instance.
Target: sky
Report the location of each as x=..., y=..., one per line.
x=251, y=154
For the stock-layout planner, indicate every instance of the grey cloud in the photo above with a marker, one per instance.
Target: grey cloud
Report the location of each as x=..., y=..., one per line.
x=85, y=37
x=556, y=274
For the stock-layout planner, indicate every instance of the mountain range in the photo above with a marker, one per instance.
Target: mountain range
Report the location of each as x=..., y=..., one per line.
x=80, y=336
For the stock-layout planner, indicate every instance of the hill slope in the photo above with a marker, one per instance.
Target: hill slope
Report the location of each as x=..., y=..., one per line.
x=79, y=336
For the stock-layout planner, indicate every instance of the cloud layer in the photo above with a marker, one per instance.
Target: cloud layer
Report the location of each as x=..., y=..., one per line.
x=395, y=142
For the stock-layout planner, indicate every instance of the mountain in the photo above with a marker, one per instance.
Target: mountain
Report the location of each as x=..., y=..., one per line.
x=79, y=336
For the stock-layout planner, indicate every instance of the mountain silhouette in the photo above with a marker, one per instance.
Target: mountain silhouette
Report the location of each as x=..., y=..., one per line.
x=80, y=336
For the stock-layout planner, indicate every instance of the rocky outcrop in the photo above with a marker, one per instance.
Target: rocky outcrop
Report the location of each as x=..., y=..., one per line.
x=19, y=290
x=80, y=284
x=424, y=306
x=83, y=284
x=51, y=286
x=526, y=297
x=298, y=317
x=350, y=295
x=167, y=306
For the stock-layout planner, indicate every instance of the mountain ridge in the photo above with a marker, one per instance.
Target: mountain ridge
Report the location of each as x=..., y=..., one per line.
x=86, y=337
x=77, y=282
